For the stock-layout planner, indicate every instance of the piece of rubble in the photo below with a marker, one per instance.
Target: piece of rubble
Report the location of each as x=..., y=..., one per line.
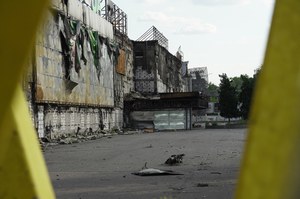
x=216, y=172
x=148, y=130
x=177, y=188
x=202, y=185
x=154, y=172
x=174, y=159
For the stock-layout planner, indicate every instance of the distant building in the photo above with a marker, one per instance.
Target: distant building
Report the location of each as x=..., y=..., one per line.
x=202, y=71
x=156, y=70
x=184, y=69
x=186, y=77
x=199, y=78
x=162, y=99
x=85, y=71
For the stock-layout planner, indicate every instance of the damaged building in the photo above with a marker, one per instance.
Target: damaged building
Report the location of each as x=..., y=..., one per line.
x=156, y=70
x=160, y=80
x=163, y=111
x=80, y=70
x=85, y=72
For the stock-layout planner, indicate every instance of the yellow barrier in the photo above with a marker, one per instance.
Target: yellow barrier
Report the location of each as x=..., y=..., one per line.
x=23, y=172
x=271, y=162
x=270, y=167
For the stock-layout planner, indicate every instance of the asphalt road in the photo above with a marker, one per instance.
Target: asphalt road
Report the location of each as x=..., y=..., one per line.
x=102, y=168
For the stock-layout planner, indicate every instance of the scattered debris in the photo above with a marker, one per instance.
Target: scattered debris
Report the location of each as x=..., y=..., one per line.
x=68, y=140
x=203, y=168
x=145, y=166
x=174, y=159
x=205, y=163
x=148, y=130
x=45, y=140
x=215, y=172
x=177, y=188
x=81, y=136
x=93, y=137
x=128, y=132
x=202, y=185
x=150, y=146
x=154, y=172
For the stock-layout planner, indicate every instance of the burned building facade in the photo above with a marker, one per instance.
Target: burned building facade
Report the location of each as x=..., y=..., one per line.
x=80, y=70
x=163, y=111
x=84, y=71
x=156, y=70
x=158, y=77
x=199, y=78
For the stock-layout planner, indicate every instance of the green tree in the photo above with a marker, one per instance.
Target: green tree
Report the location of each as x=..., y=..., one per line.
x=213, y=92
x=228, y=100
x=236, y=82
x=245, y=96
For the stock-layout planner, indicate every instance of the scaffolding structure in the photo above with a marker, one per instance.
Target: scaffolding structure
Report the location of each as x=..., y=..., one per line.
x=111, y=12
x=154, y=34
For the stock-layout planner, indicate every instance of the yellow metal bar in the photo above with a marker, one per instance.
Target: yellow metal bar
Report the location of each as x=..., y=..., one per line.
x=23, y=172
x=19, y=21
x=270, y=168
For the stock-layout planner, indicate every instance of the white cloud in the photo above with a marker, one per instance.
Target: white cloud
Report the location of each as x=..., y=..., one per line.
x=197, y=28
x=179, y=25
x=153, y=2
x=156, y=17
x=220, y=2
x=269, y=2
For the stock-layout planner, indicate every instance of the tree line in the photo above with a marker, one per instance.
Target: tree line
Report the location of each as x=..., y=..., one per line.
x=234, y=95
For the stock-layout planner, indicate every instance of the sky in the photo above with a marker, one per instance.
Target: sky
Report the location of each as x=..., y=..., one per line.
x=226, y=36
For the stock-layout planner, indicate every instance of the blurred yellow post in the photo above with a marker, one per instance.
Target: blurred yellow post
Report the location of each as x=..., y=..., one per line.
x=271, y=168
x=23, y=172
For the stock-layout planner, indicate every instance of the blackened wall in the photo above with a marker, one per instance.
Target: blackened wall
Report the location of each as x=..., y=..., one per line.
x=156, y=70
x=75, y=81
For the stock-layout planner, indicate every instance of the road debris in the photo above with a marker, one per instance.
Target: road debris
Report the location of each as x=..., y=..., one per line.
x=216, y=172
x=202, y=185
x=177, y=188
x=149, y=146
x=174, y=159
x=154, y=172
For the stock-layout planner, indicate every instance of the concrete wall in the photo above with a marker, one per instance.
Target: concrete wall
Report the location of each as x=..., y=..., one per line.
x=93, y=85
x=123, y=82
x=82, y=12
x=55, y=121
x=65, y=99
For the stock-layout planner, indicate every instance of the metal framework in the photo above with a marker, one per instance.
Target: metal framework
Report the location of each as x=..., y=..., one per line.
x=111, y=12
x=154, y=34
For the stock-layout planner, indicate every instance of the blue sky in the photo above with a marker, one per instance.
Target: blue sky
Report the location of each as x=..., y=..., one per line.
x=227, y=36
